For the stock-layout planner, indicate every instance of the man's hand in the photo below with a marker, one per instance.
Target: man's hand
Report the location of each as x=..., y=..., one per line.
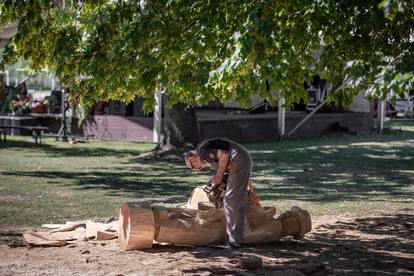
x=223, y=160
x=216, y=181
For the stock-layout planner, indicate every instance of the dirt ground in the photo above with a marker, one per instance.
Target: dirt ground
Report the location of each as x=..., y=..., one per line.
x=382, y=245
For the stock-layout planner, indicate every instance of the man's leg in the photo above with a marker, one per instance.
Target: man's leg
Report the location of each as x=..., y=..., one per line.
x=234, y=204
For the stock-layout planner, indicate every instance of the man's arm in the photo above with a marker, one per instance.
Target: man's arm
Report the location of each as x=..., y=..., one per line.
x=223, y=160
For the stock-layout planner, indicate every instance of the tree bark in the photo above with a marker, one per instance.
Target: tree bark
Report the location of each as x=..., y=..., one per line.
x=181, y=128
x=2, y=94
x=180, y=133
x=2, y=89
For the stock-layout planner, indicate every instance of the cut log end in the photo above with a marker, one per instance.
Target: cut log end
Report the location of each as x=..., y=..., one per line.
x=136, y=226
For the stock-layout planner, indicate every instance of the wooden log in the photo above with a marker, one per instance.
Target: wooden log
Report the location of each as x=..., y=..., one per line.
x=270, y=230
x=136, y=226
x=140, y=225
x=296, y=222
x=205, y=205
x=42, y=239
x=197, y=196
x=192, y=227
x=257, y=215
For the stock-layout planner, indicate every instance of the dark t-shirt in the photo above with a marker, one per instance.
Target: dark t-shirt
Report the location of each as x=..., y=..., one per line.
x=207, y=149
x=239, y=157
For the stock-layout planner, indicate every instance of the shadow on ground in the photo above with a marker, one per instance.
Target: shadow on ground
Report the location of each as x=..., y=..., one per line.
x=163, y=182
x=63, y=149
x=335, y=168
x=381, y=245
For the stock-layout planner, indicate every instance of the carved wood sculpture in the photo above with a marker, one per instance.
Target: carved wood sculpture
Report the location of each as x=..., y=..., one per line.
x=140, y=224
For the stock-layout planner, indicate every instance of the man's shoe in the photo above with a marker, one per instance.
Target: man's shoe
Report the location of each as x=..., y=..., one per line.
x=234, y=245
x=228, y=245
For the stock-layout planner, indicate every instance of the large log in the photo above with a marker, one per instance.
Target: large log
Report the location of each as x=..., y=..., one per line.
x=190, y=227
x=140, y=224
x=202, y=224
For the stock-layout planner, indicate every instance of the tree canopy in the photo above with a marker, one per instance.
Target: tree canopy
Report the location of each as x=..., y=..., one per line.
x=228, y=49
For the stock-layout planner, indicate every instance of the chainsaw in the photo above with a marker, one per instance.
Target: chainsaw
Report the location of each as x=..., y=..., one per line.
x=216, y=194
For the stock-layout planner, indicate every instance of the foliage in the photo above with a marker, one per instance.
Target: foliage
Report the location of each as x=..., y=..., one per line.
x=201, y=50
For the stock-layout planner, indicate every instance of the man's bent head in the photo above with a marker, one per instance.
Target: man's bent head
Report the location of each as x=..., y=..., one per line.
x=193, y=160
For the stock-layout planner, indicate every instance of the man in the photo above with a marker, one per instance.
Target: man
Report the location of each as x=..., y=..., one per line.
x=226, y=156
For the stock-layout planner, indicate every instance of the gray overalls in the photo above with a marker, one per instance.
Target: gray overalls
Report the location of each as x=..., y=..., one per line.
x=235, y=198
x=238, y=169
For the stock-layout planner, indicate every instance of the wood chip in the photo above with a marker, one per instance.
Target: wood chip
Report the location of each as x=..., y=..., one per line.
x=64, y=229
x=93, y=227
x=80, y=234
x=114, y=226
x=53, y=226
x=105, y=235
x=41, y=239
x=63, y=236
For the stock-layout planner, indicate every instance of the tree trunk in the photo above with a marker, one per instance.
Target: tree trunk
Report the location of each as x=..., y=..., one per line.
x=181, y=127
x=2, y=95
x=2, y=89
x=180, y=131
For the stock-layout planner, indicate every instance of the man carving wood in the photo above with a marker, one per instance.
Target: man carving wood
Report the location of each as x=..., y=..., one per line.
x=226, y=156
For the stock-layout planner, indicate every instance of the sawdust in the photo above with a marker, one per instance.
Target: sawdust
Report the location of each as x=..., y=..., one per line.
x=338, y=245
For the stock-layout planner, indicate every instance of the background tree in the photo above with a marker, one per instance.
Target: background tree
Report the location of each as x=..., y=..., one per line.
x=226, y=50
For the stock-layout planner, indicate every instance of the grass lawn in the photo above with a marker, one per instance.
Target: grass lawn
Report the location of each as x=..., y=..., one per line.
x=334, y=175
